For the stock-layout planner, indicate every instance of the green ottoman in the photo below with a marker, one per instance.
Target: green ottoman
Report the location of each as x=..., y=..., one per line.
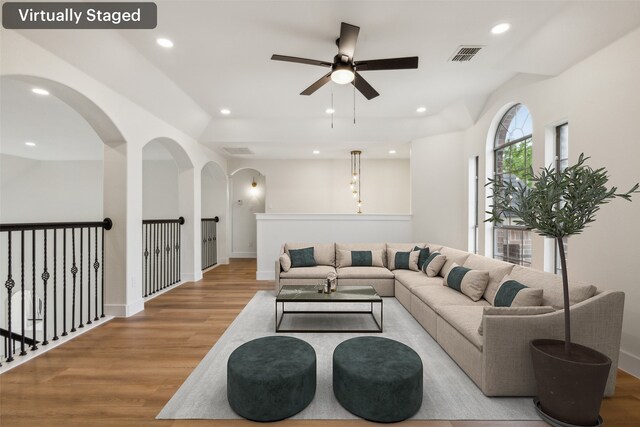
x=271, y=378
x=377, y=379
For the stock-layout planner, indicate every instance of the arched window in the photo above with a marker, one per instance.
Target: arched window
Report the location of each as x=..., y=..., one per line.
x=512, y=161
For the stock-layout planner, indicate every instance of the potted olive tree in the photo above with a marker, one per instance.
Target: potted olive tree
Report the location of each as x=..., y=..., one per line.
x=570, y=378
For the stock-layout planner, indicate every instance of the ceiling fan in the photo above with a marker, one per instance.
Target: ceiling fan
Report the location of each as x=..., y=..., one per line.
x=345, y=70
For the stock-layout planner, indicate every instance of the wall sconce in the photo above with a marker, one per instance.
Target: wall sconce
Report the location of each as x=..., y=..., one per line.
x=254, y=187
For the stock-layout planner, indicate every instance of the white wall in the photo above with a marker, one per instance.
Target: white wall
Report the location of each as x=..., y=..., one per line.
x=274, y=230
x=322, y=186
x=436, y=185
x=50, y=191
x=599, y=98
x=245, y=203
x=214, y=196
x=160, y=189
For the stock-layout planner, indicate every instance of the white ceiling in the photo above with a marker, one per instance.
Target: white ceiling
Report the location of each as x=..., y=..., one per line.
x=221, y=59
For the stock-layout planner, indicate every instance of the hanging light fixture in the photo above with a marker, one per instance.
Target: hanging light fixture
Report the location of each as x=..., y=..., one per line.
x=355, y=178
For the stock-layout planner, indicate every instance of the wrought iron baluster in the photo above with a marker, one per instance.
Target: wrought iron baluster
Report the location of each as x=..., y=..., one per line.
x=45, y=278
x=22, y=288
x=81, y=325
x=34, y=346
x=178, y=246
x=167, y=248
x=88, y=276
x=102, y=270
x=74, y=272
x=96, y=265
x=156, y=251
x=9, y=284
x=64, y=282
x=145, y=238
x=55, y=284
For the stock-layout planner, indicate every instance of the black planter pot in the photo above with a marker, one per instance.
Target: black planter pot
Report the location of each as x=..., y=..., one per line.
x=570, y=387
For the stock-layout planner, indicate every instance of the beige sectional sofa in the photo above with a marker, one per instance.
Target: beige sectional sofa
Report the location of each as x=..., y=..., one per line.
x=498, y=361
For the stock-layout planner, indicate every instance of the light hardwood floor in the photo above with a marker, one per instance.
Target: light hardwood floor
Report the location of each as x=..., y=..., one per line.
x=123, y=372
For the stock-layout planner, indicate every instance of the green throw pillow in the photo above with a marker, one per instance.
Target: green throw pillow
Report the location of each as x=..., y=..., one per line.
x=472, y=283
x=361, y=259
x=302, y=257
x=424, y=254
x=433, y=264
x=512, y=293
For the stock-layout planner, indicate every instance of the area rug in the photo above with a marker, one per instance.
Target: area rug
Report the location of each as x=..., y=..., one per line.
x=448, y=393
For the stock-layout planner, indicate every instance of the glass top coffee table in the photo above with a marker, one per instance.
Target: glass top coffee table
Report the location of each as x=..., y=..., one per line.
x=359, y=301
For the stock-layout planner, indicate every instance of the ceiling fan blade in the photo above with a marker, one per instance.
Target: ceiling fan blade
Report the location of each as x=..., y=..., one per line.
x=364, y=87
x=301, y=60
x=348, y=39
x=387, y=64
x=317, y=85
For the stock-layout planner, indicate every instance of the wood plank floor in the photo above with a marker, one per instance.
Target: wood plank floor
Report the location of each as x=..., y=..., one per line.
x=124, y=372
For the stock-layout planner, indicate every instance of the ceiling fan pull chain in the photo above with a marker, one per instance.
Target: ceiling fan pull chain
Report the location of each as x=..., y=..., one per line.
x=354, y=98
x=332, y=109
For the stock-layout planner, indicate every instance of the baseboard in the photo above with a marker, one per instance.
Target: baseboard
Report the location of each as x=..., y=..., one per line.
x=223, y=261
x=243, y=255
x=265, y=275
x=124, y=310
x=188, y=277
x=630, y=363
x=165, y=290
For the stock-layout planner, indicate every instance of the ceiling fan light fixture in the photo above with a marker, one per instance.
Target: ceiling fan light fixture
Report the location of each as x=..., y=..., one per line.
x=342, y=74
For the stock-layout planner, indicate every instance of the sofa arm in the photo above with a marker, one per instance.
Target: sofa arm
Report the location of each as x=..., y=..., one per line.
x=277, y=271
x=506, y=358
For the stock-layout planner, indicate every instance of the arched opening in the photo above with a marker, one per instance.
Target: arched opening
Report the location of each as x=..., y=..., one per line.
x=63, y=170
x=168, y=216
x=214, y=215
x=248, y=197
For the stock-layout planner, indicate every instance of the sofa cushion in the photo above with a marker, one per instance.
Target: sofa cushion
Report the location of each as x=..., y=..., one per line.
x=285, y=262
x=465, y=320
x=441, y=296
x=370, y=258
x=512, y=293
x=364, y=273
x=405, y=246
x=364, y=247
x=433, y=246
x=497, y=271
x=319, y=272
x=433, y=264
x=551, y=285
x=302, y=257
x=453, y=255
x=472, y=283
x=412, y=279
x=324, y=253
x=401, y=260
x=514, y=311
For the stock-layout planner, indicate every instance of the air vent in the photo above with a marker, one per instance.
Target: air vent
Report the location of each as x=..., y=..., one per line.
x=465, y=53
x=236, y=151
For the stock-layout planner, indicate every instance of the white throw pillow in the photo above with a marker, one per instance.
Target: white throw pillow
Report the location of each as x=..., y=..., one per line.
x=285, y=262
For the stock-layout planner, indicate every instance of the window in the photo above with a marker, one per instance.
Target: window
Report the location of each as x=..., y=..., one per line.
x=561, y=163
x=512, y=151
x=473, y=203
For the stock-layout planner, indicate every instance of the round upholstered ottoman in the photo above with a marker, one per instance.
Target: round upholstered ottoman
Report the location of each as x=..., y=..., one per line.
x=271, y=378
x=377, y=379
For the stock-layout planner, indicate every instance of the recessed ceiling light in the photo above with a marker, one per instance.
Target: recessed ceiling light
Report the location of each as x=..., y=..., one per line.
x=392, y=151
x=225, y=111
x=501, y=28
x=40, y=91
x=164, y=42
x=421, y=109
x=316, y=152
x=30, y=144
x=329, y=111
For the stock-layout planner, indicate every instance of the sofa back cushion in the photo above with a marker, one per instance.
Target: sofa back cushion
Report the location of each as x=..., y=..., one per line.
x=324, y=253
x=551, y=285
x=497, y=271
x=434, y=247
x=453, y=256
x=369, y=258
x=364, y=247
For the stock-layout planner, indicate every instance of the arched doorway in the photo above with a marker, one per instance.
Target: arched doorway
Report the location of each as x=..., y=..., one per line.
x=214, y=213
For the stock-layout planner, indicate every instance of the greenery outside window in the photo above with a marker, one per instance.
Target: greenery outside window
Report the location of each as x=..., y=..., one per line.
x=512, y=150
